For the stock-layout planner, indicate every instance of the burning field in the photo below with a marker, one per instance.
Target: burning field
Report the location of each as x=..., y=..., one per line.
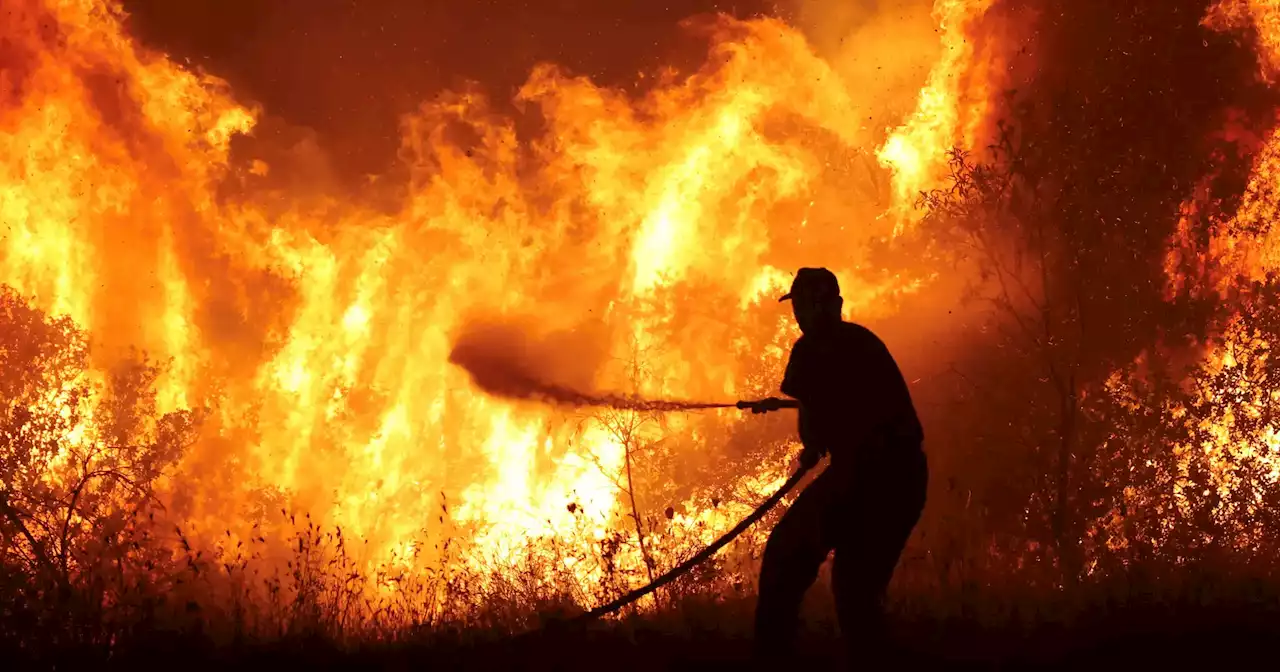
x=347, y=326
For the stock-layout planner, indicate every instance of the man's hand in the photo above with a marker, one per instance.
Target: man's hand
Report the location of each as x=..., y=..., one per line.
x=766, y=405
x=810, y=457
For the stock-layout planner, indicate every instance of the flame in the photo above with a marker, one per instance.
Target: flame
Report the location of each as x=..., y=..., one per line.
x=1261, y=15
x=317, y=332
x=1228, y=456
x=950, y=111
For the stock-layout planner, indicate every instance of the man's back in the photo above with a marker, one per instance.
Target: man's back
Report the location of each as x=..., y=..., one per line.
x=852, y=389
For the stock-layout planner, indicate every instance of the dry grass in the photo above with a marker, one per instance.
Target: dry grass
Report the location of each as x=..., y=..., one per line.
x=226, y=608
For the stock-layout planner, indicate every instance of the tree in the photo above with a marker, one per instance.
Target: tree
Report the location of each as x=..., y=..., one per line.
x=997, y=215
x=1065, y=317
x=77, y=460
x=629, y=429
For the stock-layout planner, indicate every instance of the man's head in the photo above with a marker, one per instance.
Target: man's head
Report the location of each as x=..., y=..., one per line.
x=815, y=299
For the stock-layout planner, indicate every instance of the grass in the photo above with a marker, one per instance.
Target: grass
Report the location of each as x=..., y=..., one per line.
x=192, y=612
x=295, y=597
x=1157, y=633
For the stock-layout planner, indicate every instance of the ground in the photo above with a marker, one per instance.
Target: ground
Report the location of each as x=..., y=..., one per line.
x=1179, y=637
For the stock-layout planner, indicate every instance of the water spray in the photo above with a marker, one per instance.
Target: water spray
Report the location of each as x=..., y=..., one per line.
x=504, y=377
x=516, y=385
x=503, y=363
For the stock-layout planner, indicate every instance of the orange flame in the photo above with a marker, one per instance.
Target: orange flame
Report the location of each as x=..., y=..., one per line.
x=951, y=108
x=658, y=228
x=1230, y=398
x=1263, y=16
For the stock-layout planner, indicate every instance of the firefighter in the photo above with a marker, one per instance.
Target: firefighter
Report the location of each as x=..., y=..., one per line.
x=854, y=406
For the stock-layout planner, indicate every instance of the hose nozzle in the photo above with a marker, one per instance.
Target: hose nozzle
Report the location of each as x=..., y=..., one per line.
x=765, y=405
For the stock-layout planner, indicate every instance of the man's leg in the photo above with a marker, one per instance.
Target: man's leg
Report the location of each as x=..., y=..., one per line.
x=860, y=577
x=867, y=553
x=795, y=551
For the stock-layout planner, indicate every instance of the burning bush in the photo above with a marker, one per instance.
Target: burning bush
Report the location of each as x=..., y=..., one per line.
x=80, y=462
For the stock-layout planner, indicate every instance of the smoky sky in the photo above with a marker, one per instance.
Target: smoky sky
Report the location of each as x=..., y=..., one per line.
x=348, y=70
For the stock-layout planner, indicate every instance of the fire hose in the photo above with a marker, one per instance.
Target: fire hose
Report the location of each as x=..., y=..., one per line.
x=681, y=569
x=684, y=567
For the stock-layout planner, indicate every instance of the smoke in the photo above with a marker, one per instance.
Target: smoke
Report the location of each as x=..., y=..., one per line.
x=510, y=359
x=883, y=46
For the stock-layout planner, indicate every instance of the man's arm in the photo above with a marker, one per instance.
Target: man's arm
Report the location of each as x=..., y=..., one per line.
x=797, y=383
x=808, y=434
x=814, y=448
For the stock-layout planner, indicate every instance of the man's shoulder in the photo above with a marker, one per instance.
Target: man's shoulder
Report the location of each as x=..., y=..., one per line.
x=801, y=354
x=849, y=338
x=854, y=329
x=856, y=334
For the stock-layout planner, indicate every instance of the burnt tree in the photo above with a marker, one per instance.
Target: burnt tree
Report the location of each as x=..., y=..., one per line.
x=997, y=216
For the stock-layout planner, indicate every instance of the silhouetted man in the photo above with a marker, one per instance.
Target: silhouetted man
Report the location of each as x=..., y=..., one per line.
x=854, y=406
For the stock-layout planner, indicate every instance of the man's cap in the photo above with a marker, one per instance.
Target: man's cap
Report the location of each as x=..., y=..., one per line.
x=815, y=282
